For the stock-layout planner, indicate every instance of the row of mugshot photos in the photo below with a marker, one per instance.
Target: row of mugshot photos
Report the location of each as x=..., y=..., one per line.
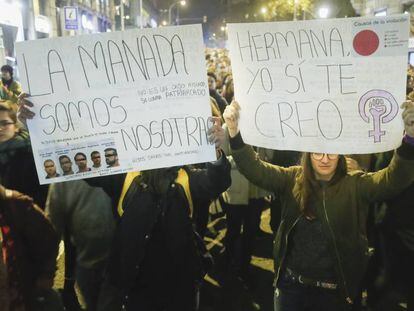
x=82, y=165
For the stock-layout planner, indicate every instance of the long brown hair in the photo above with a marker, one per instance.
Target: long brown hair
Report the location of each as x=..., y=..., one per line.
x=307, y=185
x=10, y=108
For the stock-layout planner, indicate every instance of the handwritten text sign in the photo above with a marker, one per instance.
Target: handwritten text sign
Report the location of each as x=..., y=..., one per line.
x=117, y=102
x=323, y=85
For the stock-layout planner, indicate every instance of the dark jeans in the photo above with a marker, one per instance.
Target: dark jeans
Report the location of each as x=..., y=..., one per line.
x=293, y=296
x=248, y=217
x=89, y=281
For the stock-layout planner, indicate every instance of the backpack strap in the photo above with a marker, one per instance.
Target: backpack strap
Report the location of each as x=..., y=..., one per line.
x=127, y=183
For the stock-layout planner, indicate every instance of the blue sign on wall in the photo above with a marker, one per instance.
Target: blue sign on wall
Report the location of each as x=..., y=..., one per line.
x=71, y=17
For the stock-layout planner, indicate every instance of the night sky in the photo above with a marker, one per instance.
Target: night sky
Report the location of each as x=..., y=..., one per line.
x=194, y=8
x=194, y=11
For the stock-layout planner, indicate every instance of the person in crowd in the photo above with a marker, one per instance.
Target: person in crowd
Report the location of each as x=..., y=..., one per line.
x=17, y=167
x=82, y=162
x=221, y=102
x=85, y=213
x=228, y=89
x=50, y=169
x=111, y=157
x=29, y=247
x=243, y=206
x=9, y=88
x=320, y=250
x=96, y=159
x=66, y=165
x=201, y=213
x=156, y=262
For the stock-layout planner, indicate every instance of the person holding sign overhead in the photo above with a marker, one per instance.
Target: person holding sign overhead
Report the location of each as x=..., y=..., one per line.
x=320, y=249
x=157, y=260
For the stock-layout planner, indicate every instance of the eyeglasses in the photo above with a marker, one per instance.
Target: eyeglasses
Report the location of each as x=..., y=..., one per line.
x=5, y=123
x=110, y=155
x=319, y=156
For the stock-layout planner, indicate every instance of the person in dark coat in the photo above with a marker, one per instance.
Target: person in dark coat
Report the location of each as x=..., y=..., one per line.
x=155, y=262
x=29, y=247
x=17, y=166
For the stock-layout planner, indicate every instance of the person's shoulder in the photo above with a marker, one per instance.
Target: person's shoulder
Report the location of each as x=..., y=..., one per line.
x=15, y=84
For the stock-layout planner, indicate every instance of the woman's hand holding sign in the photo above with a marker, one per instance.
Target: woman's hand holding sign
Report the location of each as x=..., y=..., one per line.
x=216, y=134
x=231, y=117
x=24, y=113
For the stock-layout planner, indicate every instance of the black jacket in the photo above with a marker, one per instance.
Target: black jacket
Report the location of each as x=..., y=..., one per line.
x=142, y=210
x=36, y=242
x=18, y=169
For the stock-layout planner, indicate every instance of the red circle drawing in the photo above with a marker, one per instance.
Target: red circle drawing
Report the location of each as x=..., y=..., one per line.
x=366, y=42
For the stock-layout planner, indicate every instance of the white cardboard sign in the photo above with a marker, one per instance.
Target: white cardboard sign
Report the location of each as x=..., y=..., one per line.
x=332, y=86
x=136, y=99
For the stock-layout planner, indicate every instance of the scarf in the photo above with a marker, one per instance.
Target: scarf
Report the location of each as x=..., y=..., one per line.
x=7, y=83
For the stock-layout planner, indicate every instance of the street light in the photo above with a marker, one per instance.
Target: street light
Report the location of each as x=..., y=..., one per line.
x=263, y=10
x=323, y=12
x=182, y=3
x=295, y=9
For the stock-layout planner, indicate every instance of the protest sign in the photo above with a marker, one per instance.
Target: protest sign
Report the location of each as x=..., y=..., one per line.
x=117, y=102
x=331, y=86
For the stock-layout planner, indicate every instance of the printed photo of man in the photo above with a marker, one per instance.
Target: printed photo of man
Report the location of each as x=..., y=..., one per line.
x=50, y=169
x=66, y=165
x=111, y=157
x=82, y=163
x=96, y=159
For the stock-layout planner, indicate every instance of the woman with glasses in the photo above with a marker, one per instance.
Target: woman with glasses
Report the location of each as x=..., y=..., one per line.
x=17, y=167
x=320, y=250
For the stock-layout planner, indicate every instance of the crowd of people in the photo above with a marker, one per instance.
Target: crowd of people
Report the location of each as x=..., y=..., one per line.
x=343, y=225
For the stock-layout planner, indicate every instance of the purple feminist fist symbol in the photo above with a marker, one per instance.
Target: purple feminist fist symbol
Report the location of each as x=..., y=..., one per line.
x=380, y=111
